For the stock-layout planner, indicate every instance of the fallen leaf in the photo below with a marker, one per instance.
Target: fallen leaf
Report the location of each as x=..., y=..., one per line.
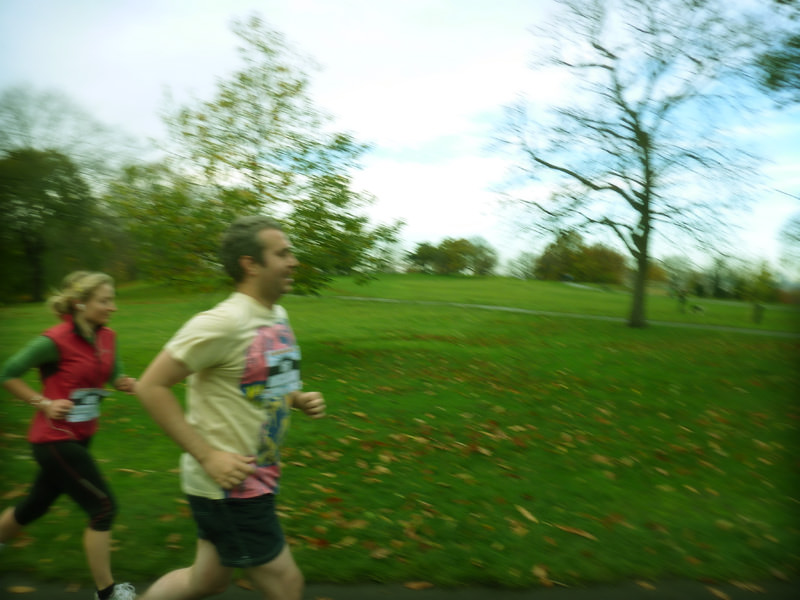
x=718, y=593
x=779, y=574
x=323, y=489
x=540, y=572
x=380, y=553
x=579, y=532
x=347, y=541
x=525, y=513
x=21, y=589
x=418, y=585
x=646, y=585
x=244, y=584
x=749, y=587
x=22, y=542
x=15, y=493
x=518, y=529
x=356, y=524
x=603, y=460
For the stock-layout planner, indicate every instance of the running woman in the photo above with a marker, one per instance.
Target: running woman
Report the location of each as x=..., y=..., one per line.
x=76, y=359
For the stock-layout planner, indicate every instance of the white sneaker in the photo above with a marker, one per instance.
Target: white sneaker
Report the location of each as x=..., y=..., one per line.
x=122, y=591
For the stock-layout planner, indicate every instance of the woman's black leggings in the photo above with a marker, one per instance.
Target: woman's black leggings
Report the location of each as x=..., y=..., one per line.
x=68, y=468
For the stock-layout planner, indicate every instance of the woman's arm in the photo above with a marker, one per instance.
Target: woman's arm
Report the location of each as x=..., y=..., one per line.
x=39, y=351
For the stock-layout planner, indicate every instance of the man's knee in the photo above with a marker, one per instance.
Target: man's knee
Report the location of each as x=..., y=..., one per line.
x=209, y=586
x=279, y=579
x=293, y=583
x=288, y=584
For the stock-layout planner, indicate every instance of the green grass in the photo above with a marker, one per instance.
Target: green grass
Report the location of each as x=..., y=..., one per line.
x=467, y=446
x=553, y=296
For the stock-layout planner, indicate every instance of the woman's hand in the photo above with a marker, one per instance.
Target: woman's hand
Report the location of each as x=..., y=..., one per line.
x=56, y=409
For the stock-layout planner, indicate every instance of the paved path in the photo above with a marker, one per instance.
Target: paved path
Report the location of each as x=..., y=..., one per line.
x=547, y=313
x=24, y=588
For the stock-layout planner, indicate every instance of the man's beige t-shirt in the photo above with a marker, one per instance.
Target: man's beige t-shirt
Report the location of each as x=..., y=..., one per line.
x=244, y=361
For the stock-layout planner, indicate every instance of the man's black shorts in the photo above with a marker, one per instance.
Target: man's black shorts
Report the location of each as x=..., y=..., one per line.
x=245, y=531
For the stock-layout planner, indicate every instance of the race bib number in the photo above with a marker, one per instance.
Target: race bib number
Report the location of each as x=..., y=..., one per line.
x=284, y=372
x=87, y=405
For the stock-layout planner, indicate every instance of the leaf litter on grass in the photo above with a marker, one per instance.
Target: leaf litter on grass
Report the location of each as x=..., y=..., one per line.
x=439, y=432
x=617, y=436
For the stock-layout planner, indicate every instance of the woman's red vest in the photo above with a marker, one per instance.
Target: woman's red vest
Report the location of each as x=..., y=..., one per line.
x=82, y=366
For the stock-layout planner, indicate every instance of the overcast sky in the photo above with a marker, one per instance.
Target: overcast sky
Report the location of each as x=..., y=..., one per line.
x=423, y=81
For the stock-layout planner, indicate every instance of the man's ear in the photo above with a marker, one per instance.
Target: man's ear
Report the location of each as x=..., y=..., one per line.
x=248, y=265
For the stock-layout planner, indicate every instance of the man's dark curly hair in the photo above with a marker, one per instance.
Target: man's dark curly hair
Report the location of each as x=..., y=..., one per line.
x=241, y=239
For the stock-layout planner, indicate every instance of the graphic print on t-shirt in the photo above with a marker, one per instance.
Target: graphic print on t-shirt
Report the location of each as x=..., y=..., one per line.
x=272, y=371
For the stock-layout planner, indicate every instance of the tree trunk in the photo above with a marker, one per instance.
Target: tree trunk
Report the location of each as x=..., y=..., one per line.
x=34, y=252
x=637, y=317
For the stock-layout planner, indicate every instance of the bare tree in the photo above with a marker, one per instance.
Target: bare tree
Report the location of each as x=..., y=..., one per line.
x=637, y=142
x=49, y=121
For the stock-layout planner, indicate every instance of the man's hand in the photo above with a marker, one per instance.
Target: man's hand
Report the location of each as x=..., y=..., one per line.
x=311, y=403
x=125, y=384
x=228, y=469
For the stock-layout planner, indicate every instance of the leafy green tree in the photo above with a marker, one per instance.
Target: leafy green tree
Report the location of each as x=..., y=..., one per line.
x=424, y=257
x=778, y=66
x=46, y=230
x=174, y=224
x=763, y=286
x=524, y=266
x=560, y=257
x=789, y=238
x=781, y=68
x=262, y=134
x=329, y=235
x=482, y=259
x=261, y=123
x=679, y=270
x=721, y=279
x=452, y=256
x=600, y=264
x=755, y=283
x=637, y=147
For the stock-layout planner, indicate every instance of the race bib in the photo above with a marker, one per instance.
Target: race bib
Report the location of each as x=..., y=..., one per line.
x=284, y=372
x=87, y=405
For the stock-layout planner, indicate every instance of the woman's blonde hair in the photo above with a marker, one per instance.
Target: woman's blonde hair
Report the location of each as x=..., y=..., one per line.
x=77, y=288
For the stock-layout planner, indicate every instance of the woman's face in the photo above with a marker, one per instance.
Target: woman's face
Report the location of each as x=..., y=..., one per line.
x=100, y=306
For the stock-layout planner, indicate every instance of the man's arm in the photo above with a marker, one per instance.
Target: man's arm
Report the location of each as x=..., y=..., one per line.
x=155, y=393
